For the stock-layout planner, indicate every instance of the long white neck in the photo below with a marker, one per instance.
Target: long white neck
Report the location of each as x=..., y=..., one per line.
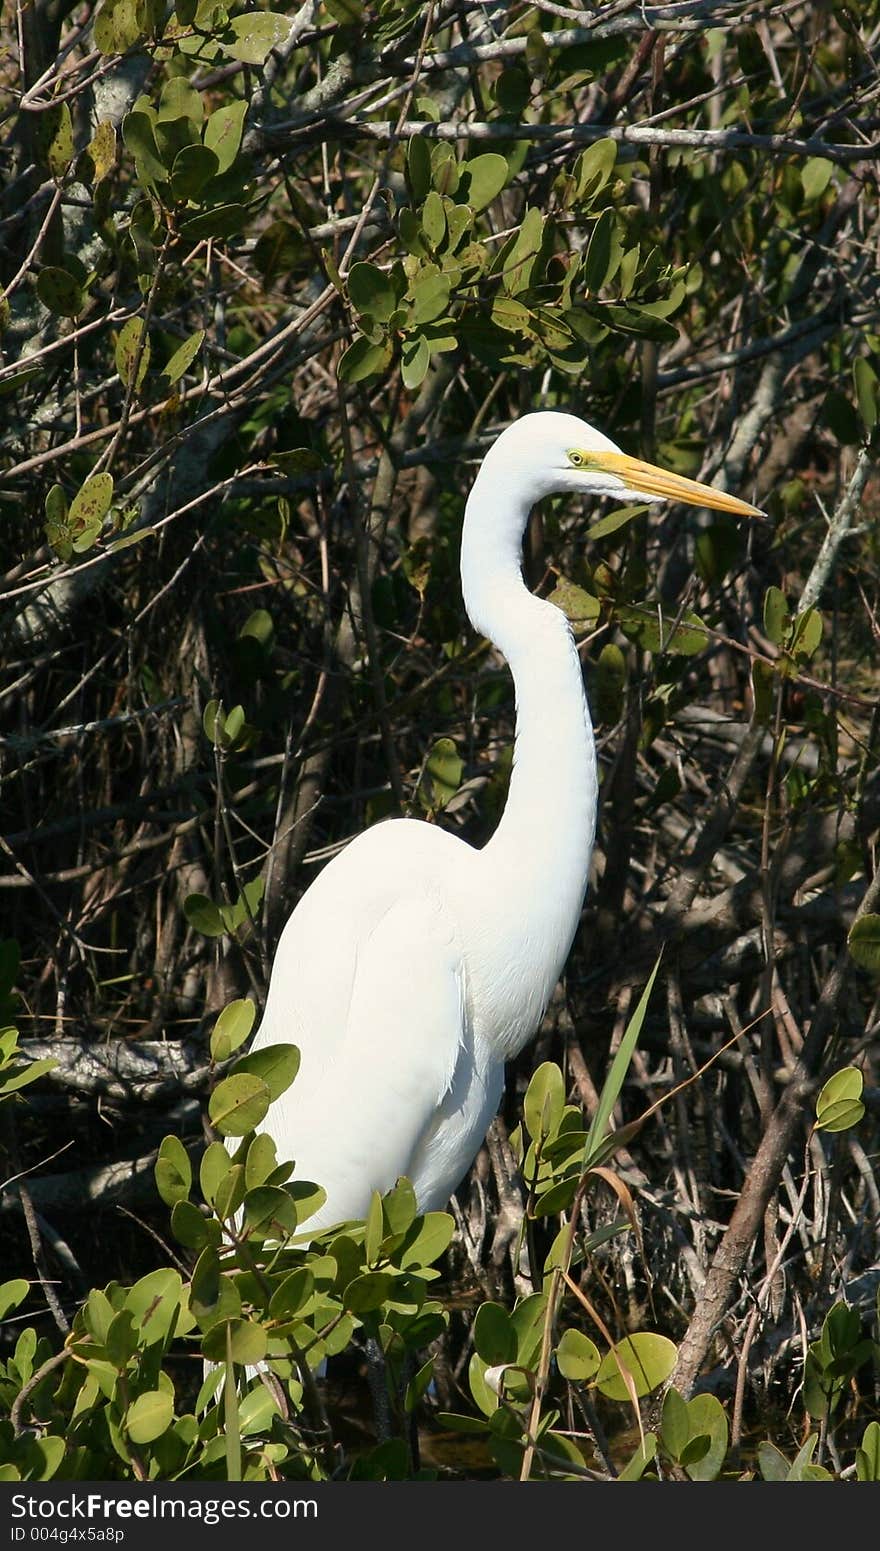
x=538, y=860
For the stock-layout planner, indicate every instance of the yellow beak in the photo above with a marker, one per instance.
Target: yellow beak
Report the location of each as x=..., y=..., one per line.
x=647, y=479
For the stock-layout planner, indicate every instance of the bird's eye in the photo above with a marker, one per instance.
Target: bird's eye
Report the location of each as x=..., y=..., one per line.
x=576, y=458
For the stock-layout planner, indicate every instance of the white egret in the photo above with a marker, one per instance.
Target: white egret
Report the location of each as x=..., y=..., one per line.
x=415, y=966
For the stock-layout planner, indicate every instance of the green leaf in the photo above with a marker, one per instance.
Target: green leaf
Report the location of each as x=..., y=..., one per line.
x=154, y=1302
x=841, y=1115
x=183, y=357
x=815, y=177
x=399, y=1209
x=428, y=1239
x=54, y=138
x=347, y=12
x=576, y=604
x=371, y=292
x=246, y=1344
x=175, y=135
x=577, y=1357
x=645, y=1454
x=149, y=1416
x=92, y=502
x=130, y=358
x=306, y=1196
x=261, y=1160
x=619, y=518
x=442, y=777
x=519, y=260
x=604, y=253
x=194, y=168
x=511, y=90
x=140, y=139
x=179, y=99
x=238, y=1104
x=707, y=1420
x=98, y=1315
x=122, y=1339
x=254, y=35
x=863, y=942
x=256, y=1412
x=619, y=1068
x=59, y=292
x=418, y=168
x=537, y=54
x=363, y=359
x=12, y=1294
x=718, y=549
x=173, y=1171
x=191, y=1228
x=232, y=1028
x=203, y=915
x=611, y=677
x=230, y=1193
x=485, y=1398
x=214, y=1166
x=482, y=179
x=675, y=1428
x=839, y=1106
x=841, y=418
x=593, y=168
x=763, y=679
x=807, y=634
x=494, y=1335
x=776, y=616
x=374, y=1228
x=223, y=133
x=511, y=316
x=457, y=1423
x=431, y=289
x=290, y=1294
x=211, y=1296
x=364, y=1294
x=100, y=153
x=276, y=1065
x=865, y=381
x=219, y=221
x=772, y=1464
x=649, y=1359
x=434, y=219
x=418, y=1386
x=12, y=1082
x=117, y=26
x=445, y=170
x=415, y=360
x=544, y=1101
x=868, y=1454
x=658, y=633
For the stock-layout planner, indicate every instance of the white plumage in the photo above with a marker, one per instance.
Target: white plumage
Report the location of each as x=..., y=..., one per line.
x=415, y=965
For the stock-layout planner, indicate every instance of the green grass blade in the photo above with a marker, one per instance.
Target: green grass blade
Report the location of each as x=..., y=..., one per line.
x=615, y=1079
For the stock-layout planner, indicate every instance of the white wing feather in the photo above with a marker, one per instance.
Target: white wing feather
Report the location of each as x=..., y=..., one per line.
x=381, y=1033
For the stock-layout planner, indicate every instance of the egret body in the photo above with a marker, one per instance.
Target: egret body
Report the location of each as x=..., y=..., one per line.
x=415, y=966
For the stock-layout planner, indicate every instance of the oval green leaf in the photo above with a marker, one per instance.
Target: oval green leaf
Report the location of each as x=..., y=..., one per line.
x=149, y=1416
x=238, y=1104
x=649, y=1359
x=864, y=942
x=577, y=1357
x=232, y=1028
x=173, y=1171
x=275, y=1065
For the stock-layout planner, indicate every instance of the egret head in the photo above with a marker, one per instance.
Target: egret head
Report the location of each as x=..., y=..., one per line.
x=548, y=453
